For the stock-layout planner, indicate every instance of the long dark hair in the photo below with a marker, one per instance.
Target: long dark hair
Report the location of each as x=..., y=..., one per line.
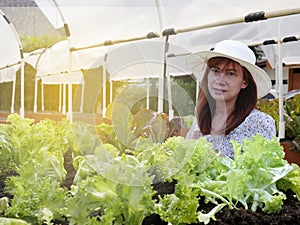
x=245, y=103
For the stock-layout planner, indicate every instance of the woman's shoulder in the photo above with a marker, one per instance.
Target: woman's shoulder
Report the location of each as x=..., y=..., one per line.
x=259, y=122
x=257, y=116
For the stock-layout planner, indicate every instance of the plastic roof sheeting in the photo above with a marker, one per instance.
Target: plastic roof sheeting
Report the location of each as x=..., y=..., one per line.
x=136, y=57
x=57, y=59
x=54, y=62
x=279, y=28
x=76, y=78
x=92, y=22
x=8, y=74
x=99, y=23
x=143, y=59
x=251, y=33
x=134, y=60
x=10, y=51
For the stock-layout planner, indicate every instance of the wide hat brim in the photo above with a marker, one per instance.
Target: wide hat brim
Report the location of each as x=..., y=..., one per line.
x=196, y=62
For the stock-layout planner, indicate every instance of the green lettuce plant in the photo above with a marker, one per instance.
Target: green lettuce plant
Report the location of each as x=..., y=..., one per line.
x=292, y=108
x=291, y=117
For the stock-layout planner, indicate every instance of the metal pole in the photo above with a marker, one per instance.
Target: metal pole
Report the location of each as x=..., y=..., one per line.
x=35, y=94
x=279, y=81
x=12, y=108
x=82, y=95
x=104, y=86
x=43, y=106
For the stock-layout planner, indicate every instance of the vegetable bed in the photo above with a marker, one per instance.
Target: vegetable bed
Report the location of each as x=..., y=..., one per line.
x=63, y=173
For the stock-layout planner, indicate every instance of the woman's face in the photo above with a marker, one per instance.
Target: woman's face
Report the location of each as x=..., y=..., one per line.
x=225, y=80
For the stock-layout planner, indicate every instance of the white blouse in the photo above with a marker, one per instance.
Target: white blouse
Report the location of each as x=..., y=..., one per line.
x=256, y=122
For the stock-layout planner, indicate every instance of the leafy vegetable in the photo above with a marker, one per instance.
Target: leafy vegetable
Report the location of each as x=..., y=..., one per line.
x=114, y=182
x=11, y=221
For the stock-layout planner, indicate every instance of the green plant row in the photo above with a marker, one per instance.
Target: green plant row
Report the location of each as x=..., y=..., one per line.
x=106, y=174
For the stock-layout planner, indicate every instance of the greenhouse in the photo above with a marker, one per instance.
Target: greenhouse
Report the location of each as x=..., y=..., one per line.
x=97, y=98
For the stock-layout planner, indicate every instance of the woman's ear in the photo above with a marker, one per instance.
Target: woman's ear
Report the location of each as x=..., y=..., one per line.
x=244, y=84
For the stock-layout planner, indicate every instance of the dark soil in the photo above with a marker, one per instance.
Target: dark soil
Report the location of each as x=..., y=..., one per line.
x=289, y=214
x=3, y=177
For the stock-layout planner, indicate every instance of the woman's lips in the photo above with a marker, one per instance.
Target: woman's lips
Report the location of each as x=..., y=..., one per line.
x=218, y=91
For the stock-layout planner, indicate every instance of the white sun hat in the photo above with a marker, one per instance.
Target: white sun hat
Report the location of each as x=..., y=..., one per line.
x=238, y=52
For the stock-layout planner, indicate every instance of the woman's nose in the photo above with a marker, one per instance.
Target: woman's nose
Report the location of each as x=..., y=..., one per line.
x=220, y=78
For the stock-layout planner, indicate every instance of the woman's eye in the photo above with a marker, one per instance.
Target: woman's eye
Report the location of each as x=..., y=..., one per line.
x=231, y=73
x=214, y=70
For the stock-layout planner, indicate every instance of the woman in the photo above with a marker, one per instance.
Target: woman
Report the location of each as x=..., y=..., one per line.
x=227, y=98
